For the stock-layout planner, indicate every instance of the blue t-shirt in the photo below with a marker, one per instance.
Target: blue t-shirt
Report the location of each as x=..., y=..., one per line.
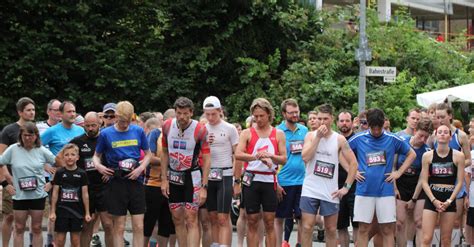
x=375, y=158
x=153, y=138
x=57, y=136
x=292, y=173
x=416, y=165
x=118, y=146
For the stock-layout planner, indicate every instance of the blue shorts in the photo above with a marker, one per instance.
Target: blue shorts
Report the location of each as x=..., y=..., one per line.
x=312, y=205
x=289, y=207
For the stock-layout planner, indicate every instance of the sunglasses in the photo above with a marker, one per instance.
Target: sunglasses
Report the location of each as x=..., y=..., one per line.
x=363, y=122
x=109, y=116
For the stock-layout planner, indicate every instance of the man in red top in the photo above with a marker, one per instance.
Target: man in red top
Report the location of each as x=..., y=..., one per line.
x=182, y=180
x=264, y=148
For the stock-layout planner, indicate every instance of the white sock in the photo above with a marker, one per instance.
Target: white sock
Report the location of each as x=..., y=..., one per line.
x=223, y=245
x=409, y=243
x=215, y=245
x=436, y=237
x=456, y=236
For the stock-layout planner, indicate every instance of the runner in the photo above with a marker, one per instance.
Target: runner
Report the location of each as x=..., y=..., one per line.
x=469, y=230
x=223, y=139
x=409, y=204
x=109, y=114
x=264, y=149
x=54, y=116
x=441, y=169
x=313, y=122
x=25, y=108
x=346, y=204
x=28, y=161
x=70, y=198
x=375, y=150
x=96, y=187
x=291, y=175
x=121, y=144
x=459, y=141
x=412, y=119
x=182, y=182
x=321, y=192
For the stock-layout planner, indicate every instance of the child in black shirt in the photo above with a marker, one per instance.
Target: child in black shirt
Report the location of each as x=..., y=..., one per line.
x=70, y=198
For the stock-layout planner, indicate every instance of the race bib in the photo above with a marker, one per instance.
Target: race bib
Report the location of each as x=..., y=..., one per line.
x=376, y=158
x=215, y=174
x=28, y=183
x=296, y=147
x=70, y=195
x=410, y=171
x=89, y=164
x=324, y=169
x=176, y=178
x=127, y=165
x=247, y=178
x=442, y=169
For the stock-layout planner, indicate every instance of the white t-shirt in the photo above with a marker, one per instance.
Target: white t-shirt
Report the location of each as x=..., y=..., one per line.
x=221, y=138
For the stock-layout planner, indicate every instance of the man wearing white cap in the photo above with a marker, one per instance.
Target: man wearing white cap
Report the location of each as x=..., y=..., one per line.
x=223, y=139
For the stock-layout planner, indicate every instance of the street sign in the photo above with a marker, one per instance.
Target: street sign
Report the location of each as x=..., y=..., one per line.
x=381, y=71
x=388, y=79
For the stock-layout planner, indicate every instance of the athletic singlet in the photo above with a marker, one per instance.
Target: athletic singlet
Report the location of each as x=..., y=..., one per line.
x=415, y=168
x=321, y=179
x=184, y=148
x=258, y=144
x=453, y=143
x=442, y=170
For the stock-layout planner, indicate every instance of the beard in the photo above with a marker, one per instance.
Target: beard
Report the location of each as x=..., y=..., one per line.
x=344, y=129
x=293, y=120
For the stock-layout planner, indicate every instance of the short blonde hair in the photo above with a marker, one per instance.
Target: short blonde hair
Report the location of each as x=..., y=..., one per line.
x=265, y=105
x=125, y=109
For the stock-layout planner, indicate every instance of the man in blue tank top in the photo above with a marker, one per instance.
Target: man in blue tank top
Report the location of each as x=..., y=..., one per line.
x=375, y=150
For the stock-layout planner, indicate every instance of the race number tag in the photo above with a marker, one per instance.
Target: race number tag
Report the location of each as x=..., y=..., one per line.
x=324, y=169
x=376, y=158
x=215, y=174
x=127, y=165
x=28, y=183
x=176, y=178
x=442, y=169
x=247, y=178
x=410, y=171
x=89, y=164
x=70, y=195
x=296, y=147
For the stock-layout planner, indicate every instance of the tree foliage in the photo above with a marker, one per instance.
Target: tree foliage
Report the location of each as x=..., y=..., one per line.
x=151, y=52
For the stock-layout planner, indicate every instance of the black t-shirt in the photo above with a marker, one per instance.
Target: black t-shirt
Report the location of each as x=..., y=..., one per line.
x=86, y=151
x=70, y=182
x=343, y=174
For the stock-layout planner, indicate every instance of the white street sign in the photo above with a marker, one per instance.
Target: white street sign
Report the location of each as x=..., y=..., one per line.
x=388, y=79
x=381, y=71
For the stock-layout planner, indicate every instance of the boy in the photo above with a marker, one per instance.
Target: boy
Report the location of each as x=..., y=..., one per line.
x=70, y=198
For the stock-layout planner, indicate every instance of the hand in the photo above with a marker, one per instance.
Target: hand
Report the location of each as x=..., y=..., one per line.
x=202, y=196
x=466, y=203
x=359, y=177
x=322, y=131
x=261, y=155
x=137, y=172
x=268, y=162
x=52, y=216
x=237, y=190
x=165, y=188
x=88, y=218
x=105, y=178
x=280, y=193
x=393, y=176
x=410, y=205
x=48, y=186
x=10, y=189
x=340, y=193
x=397, y=194
x=104, y=170
x=439, y=206
x=49, y=169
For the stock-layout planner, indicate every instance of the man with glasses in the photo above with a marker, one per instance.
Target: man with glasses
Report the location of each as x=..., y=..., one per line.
x=54, y=116
x=109, y=114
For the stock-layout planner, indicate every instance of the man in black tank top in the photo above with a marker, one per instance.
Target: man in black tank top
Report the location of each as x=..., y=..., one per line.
x=441, y=168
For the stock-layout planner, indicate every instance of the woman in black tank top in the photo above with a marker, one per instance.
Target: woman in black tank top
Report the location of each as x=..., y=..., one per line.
x=441, y=170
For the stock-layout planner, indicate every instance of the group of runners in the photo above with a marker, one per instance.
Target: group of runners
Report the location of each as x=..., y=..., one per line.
x=176, y=176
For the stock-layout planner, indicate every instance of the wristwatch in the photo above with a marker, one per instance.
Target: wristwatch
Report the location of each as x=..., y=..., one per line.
x=347, y=186
x=237, y=181
x=414, y=199
x=204, y=186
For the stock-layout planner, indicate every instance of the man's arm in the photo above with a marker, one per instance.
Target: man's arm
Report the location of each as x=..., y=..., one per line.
x=348, y=156
x=466, y=148
x=281, y=157
x=241, y=152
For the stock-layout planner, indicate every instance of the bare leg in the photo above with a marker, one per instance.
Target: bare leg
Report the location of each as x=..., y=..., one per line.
x=137, y=228
x=307, y=221
x=192, y=223
x=20, y=217
x=119, y=228
x=279, y=226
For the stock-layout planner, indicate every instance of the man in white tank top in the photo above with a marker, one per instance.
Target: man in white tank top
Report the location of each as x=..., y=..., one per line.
x=322, y=150
x=264, y=148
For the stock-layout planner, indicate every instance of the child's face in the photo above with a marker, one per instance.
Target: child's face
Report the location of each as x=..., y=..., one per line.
x=71, y=157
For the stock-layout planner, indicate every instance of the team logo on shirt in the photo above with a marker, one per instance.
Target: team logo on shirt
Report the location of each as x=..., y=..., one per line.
x=179, y=145
x=125, y=143
x=179, y=161
x=85, y=148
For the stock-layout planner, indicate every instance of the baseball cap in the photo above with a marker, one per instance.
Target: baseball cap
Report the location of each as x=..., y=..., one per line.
x=211, y=102
x=79, y=120
x=109, y=107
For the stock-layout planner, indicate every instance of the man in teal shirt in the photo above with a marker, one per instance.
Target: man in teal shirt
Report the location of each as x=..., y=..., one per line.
x=291, y=175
